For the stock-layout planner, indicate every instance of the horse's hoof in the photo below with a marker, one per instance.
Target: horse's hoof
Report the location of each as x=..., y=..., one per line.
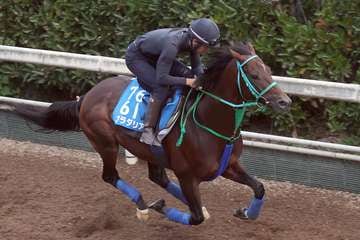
x=240, y=213
x=142, y=215
x=158, y=205
x=205, y=213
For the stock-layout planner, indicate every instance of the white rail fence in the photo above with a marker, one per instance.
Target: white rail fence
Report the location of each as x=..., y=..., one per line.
x=303, y=87
x=295, y=86
x=279, y=143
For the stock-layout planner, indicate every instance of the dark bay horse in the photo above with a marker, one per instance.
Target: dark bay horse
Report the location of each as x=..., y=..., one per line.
x=207, y=133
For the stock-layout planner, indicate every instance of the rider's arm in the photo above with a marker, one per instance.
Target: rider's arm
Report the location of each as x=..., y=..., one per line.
x=163, y=66
x=196, y=66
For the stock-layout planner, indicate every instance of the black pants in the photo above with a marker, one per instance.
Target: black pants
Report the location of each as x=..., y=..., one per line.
x=144, y=69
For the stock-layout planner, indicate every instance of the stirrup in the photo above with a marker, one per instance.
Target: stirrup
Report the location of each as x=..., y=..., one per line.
x=148, y=136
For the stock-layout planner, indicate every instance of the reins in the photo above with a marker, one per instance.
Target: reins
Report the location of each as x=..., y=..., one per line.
x=239, y=109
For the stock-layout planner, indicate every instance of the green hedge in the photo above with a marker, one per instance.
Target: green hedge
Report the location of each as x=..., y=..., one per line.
x=323, y=44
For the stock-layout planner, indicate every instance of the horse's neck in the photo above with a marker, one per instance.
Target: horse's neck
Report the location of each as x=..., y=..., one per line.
x=215, y=114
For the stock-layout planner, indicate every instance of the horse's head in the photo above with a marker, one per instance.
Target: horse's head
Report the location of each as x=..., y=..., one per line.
x=254, y=80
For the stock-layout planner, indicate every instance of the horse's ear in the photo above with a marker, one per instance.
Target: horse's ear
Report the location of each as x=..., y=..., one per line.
x=237, y=55
x=251, y=48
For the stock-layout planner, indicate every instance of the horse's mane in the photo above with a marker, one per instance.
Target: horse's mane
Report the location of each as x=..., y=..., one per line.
x=218, y=59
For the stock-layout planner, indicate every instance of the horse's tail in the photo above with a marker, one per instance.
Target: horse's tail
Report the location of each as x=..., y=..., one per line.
x=62, y=115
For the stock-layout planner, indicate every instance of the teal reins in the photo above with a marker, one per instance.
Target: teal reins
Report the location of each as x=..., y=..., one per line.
x=239, y=109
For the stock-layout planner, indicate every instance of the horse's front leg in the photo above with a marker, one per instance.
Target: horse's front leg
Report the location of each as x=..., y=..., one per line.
x=190, y=189
x=158, y=175
x=236, y=173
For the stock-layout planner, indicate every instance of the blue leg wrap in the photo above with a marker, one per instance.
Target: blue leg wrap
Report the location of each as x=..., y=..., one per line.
x=175, y=190
x=128, y=190
x=254, y=209
x=177, y=216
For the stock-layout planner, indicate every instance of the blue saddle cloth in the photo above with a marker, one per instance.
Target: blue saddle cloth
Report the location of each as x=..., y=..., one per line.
x=132, y=106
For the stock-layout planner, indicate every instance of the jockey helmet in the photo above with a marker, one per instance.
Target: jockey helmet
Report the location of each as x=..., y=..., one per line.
x=205, y=30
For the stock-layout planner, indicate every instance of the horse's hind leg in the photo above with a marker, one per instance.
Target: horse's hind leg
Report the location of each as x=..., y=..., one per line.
x=108, y=150
x=158, y=175
x=236, y=173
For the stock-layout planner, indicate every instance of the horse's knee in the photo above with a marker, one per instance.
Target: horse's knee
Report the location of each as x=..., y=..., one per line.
x=159, y=177
x=111, y=179
x=196, y=220
x=159, y=181
x=259, y=190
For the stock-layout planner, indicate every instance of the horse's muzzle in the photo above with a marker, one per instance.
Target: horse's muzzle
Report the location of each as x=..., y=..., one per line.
x=280, y=103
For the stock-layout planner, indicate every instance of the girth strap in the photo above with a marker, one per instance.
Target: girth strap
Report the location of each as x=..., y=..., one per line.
x=224, y=162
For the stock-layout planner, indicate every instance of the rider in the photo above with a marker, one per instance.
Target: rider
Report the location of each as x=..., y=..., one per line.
x=152, y=58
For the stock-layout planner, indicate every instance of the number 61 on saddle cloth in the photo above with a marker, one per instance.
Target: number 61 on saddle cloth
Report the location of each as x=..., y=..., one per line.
x=132, y=106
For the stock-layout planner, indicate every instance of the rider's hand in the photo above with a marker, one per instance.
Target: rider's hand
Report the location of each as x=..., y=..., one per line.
x=190, y=82
x=193, y=82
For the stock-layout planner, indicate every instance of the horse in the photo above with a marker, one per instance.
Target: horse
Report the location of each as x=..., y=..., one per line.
x=198, y=148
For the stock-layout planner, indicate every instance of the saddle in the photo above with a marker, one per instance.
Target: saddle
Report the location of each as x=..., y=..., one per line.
x=131, y=108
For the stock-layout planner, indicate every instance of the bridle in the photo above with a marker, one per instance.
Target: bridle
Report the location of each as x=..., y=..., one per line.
x=239, y=108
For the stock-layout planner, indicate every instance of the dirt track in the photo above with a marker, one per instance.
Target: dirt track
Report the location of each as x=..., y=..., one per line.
x=54, y=193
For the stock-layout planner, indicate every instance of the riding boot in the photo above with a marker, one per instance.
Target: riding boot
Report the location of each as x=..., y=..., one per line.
x=151, y=119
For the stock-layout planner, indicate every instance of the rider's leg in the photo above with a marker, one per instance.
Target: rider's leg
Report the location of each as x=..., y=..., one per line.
x=142, y=68
x=146, y=75
x=151, y=119
x=157, y=100
x=145, y=71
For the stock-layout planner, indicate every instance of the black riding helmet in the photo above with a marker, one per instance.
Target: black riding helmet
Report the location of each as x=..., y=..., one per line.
x=205, y=30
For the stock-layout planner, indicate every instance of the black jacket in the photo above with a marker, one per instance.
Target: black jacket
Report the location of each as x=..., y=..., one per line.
x=163, y=46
